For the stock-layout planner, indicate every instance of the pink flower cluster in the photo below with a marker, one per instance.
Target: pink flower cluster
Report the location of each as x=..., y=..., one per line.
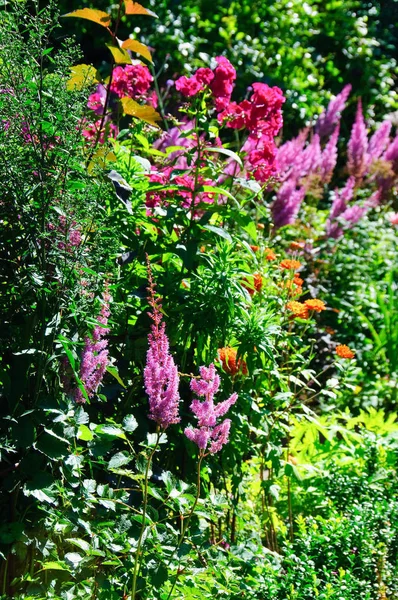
x=95, y=355
x=262, y=116
x=132, y=80
x=109, y=130
x=160, y=374
x=220, y=82
x=188, y=192
x=70, y=232
x=207, y=412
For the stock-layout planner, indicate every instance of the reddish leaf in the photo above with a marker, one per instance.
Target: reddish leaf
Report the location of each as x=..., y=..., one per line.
x=133, y=8
x=137, y=47
x=91, y=14
x=145, y=112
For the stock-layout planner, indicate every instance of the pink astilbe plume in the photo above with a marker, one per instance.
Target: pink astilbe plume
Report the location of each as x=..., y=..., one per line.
x=287, y=204
x=329, y=156
x=358, y=146
x=207, y=412
x=379, y=141
x=331, y=116
x=160, y=374
x=95, y=355
x=339, y=205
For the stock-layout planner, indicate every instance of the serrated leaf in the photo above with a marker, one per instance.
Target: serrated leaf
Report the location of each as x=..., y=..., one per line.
x=133, y=8
x=138, y=48
x=120, y=56
x=118, y=460
x=130, y=423
x=84, y=433
x=144, y=112
x=111, y=431
x=91, y=14
x=82, y=76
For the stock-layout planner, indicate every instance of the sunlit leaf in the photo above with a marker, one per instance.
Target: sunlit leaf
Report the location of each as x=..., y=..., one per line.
x=120, y=56
x=54, y=566
x=91, y=14
x=137, y=47
x=133, y=8
x=144, y=112
x=82, y=76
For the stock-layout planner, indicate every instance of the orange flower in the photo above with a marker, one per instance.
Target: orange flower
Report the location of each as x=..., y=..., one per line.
x=290, y=264
x=227, y=357
x=203, y=249
x=344, y=352
x=297, y=280
x=299, y=245
x=269, y=254
x=315, y=304
x=254, y=286
x=298, y=309
x=260, y=226
x=255, y=248
x=330, y=331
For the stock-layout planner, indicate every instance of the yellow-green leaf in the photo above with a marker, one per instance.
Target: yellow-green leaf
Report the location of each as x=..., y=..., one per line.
x=91, y=14
x=145, y=112
x=82, y=76
x=137, y=47
x=120, y=56
x=133, y=8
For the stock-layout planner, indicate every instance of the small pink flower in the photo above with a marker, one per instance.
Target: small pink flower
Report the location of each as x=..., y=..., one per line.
x=188, y=86
x=394, y=219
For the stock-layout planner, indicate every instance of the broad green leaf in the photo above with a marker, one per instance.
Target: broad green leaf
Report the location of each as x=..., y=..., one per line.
x=119, y=459
x=91, y=14
x=133, y=8
x=84, y=433
x=120, y=56
x=82, y=76
x=144, y=112
x=138, y=48
x=129, y=423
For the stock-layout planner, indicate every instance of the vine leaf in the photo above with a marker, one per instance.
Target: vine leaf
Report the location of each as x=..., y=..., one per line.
x=145, y=113
x=133, y=8
x=120, y=56
x=91, y=14
x=137, y=47
x=82, y=76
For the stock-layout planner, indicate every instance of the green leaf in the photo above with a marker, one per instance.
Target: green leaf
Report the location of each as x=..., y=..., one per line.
x=114, y=372
x=84, y=433
x=129, y=423
x=227, y=152
x=54, y=566
x=219, y=231
x=119, y=459
x=111, y=431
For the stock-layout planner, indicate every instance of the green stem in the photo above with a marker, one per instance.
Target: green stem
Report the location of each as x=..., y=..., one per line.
x=186, y=522
x=138, y=559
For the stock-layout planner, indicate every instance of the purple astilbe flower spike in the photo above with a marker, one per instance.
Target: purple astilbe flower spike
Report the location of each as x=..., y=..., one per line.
x=379, y=141
x=374, y=199
x=161, y=377
x=287, y=204
x=94, y=360
x=339, y=205
x=207, y=412
x=310, y=158
x=352, y=215
x=357, y=146
x=331, y=116
x=391, y=154
x=329, y=156
x=289, y=152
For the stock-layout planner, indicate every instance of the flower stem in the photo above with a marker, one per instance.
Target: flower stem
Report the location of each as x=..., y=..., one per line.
x=138, y=558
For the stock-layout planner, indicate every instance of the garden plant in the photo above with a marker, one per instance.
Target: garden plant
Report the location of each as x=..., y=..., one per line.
x=199, y=340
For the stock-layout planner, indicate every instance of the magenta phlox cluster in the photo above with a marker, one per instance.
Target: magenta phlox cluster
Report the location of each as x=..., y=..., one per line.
x=220, y=82
x=331, y=116
x=161, y=377
x=94, y=360
x=131, y=80
x=108, y=130
x=207, y=412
